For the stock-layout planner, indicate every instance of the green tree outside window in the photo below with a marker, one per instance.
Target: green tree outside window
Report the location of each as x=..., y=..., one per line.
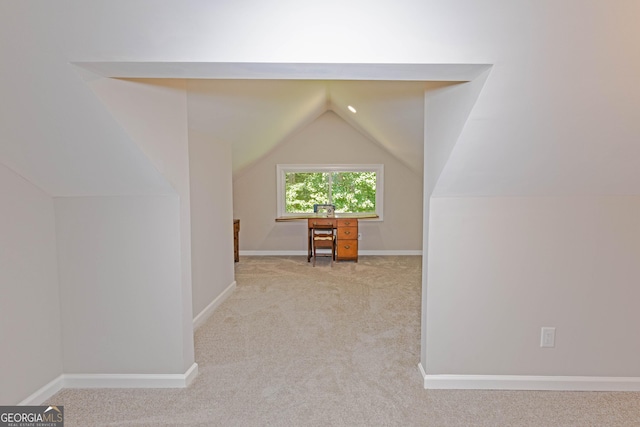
x=348, y=191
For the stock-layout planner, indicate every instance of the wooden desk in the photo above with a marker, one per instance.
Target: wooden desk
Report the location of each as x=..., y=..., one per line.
x=346, y=228
x=335, y=216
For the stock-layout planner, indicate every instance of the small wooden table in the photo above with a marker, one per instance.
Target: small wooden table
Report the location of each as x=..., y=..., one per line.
x=236, y=238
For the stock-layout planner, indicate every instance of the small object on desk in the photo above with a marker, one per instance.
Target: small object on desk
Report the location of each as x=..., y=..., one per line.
x=324, y=210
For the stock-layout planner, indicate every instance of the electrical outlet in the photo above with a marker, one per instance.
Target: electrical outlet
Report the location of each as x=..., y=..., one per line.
x=359, y=236
x=548, y=337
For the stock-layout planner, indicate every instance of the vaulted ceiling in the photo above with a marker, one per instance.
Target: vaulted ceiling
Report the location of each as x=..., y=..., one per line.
x=254, y=107
x=256, y=115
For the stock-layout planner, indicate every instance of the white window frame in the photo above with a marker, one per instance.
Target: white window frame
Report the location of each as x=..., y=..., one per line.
x=283, y=169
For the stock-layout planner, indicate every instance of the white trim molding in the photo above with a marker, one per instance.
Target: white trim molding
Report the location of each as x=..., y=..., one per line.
x=131, y=380
x=272, y=253
x=209, y=309
x=111, y=381
x=304, y=253
x=389, y=253
x=529, y=382
x=44, y=393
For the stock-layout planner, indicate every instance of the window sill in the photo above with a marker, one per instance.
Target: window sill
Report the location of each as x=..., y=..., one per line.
x=337, y=215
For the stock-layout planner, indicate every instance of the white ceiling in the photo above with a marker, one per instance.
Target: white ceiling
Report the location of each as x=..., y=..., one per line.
x=293, y=71
x=256, y=106
x=256, y=115
x=557, y=116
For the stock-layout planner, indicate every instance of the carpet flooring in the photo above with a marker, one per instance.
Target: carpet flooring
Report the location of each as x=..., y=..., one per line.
x=297, y=345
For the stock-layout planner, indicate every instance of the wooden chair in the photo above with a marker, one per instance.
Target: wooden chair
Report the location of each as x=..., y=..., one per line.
x=323, y=238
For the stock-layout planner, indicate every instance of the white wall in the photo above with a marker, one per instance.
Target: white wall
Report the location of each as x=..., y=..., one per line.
x=328, y=140
x=122, y=306
x=557, y=115
x=54, y=130
x=31, y=353
x=211, y=219
x=153, y=113
x=502, y=268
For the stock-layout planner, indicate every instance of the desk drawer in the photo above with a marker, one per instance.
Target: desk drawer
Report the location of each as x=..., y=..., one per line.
x=347, y=233
x=321, y=221
x=347, y=222
x=347, y=249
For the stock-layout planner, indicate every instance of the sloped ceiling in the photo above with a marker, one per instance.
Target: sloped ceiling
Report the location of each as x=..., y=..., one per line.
x=254, y=107
x=256, y=115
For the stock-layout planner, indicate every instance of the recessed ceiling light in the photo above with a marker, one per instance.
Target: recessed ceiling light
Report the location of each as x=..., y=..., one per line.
x=353, y=110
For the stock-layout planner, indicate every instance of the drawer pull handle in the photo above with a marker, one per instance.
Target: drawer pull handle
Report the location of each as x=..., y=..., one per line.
x=347, y=232
x=347, y=247
x=347, y=223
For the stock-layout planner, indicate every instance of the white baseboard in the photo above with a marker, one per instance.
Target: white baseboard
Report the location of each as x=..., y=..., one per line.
x=44, y=393
x=390, y=253
x=304, y=253
x=529, y=382
x=131, y=380
x=111, y=381
x=272, y=253
x=208, y=310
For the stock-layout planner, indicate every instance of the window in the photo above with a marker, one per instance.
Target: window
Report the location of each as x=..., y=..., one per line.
x=351, y=188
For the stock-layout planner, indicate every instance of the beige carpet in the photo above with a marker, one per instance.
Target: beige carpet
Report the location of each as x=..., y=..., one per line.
x=296, y=345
